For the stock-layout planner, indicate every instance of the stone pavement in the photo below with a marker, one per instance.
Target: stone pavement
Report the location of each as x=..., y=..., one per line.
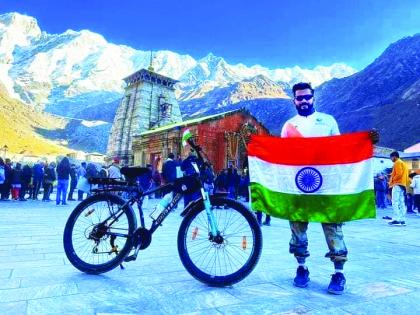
x=383, y=272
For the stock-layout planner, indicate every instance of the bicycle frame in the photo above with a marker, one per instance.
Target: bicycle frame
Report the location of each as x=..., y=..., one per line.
x=139, y=197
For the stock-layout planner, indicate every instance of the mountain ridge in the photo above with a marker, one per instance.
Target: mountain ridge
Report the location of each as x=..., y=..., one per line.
x=78, y=69
x=78, y=74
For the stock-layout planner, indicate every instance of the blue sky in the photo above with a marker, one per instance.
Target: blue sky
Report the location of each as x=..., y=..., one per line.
x=275, y=34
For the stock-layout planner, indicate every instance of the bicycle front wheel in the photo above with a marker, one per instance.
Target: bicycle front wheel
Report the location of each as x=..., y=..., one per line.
x=227, y=258
x=98, y=233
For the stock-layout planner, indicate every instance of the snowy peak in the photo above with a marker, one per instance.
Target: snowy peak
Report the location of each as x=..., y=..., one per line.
x=69, y=72
x=222, y=98
x=212, y=61
x=256, y=88
x=16, y=30
x=20, y=24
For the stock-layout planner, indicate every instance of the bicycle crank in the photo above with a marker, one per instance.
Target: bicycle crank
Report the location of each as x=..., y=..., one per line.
x=141, y=240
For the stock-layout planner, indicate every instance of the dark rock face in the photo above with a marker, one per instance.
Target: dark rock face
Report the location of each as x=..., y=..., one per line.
x=385, y=95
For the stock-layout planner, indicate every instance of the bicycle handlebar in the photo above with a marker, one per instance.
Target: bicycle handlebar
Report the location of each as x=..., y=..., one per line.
x=204, y=162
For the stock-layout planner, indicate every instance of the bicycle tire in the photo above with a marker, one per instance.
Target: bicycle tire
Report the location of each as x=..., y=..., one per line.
x=69, y=249
x=245, y=269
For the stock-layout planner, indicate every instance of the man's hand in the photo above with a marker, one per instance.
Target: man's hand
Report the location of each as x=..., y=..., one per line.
x=374, y=136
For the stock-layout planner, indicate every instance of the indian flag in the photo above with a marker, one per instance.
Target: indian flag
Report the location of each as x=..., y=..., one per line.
x=185, y=136
x=320, y=179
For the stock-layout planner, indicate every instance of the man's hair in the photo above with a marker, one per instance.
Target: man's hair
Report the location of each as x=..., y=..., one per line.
x=394, y=154
x=412, y=175
x=171, y=155
x=302, y=86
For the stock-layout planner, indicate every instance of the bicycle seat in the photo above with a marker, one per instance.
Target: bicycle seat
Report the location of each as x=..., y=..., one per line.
x=133, y=172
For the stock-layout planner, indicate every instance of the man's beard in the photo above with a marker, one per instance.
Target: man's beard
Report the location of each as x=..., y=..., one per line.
x=308, y=110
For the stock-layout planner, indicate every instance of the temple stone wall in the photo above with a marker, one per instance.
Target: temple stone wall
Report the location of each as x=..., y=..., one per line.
x=149, y=102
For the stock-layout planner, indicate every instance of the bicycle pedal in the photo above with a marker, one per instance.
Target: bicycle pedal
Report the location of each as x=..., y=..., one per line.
x=130, y=258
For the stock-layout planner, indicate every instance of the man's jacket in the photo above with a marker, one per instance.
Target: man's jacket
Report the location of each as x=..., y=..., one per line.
x=399, y=175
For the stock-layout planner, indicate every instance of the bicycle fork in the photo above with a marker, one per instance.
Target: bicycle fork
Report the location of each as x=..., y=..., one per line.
x=210, y=215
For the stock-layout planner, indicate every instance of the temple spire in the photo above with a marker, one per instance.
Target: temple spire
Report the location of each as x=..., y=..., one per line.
x=151, y=62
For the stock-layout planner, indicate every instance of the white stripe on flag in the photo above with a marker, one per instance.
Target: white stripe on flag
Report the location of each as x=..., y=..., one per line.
x=339, y=179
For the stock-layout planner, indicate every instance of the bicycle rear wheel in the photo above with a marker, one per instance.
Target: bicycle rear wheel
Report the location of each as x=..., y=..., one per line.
x=98, y=233
x=228, y=258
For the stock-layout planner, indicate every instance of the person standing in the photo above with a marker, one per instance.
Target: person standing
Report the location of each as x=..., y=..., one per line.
x=380, y=190
x=25, y=180
x=49, y=178
x=38, y=176
x=409, y=196
x=16, y=181
x=73, y=182
x=415, y=184
x=81, y=173
x=103, y=173
x=114, y=169
x=7, y=185
x=310, y=123
x=169, y=169
x=2, y=177
x=63, y=176
x=398, y=183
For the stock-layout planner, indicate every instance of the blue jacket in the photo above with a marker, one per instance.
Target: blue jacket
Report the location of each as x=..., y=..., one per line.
x=38, y=172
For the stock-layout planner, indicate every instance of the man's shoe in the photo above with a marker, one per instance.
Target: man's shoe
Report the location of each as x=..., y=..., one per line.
x=402, y=223
x=395, y=223
x=267, y=223
x=302, y=277
x=387, y=217
x=337, y=284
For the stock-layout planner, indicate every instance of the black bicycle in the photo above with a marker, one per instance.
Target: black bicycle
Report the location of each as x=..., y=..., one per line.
x=219, y=239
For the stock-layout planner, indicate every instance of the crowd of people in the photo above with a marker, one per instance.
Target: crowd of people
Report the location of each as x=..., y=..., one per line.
x=37, y=181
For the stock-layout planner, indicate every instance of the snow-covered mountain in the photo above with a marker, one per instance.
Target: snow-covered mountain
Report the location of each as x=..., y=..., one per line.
x=69, y=72
x=256, y=88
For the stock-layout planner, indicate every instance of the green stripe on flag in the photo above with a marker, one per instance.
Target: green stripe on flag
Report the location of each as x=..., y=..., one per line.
x=313, y=208
x=185, y=136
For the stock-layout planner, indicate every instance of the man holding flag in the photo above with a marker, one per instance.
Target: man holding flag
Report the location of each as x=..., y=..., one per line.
x=324, y=179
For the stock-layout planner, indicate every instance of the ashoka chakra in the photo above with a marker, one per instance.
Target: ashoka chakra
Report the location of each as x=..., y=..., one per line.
x=308, y=180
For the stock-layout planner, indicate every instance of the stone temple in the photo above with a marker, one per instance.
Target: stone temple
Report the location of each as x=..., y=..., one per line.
x=149, y=102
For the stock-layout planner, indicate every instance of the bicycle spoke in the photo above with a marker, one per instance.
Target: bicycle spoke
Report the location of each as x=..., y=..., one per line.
x=85, y=225
x=220, y=259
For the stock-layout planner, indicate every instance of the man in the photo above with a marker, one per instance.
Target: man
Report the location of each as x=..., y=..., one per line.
x=49, y=178
x=409, y=196
x=398, y=184
x=38, y=176
x=380, y=190
x=73, y=182
x=310, y=123
x=81, y=176
x=169, y=169
x=114, y=169
x=415, y=184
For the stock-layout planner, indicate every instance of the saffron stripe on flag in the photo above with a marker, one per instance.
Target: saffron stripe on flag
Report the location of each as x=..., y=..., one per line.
x=313, y=208
x=341, y=149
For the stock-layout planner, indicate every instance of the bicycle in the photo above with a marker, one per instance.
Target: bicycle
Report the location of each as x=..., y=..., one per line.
x=219, y=240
